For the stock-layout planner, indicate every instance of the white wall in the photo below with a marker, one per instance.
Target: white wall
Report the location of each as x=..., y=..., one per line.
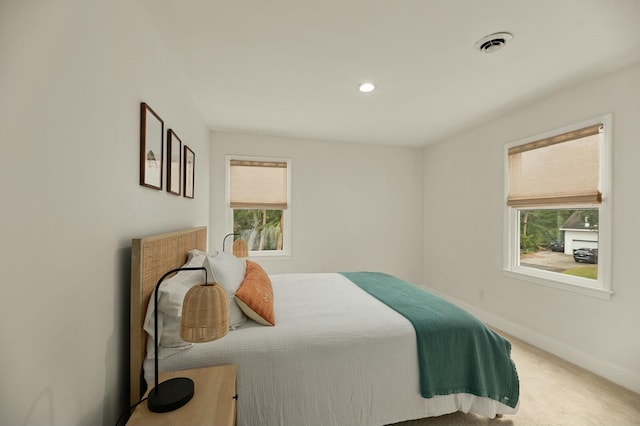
x=72, y=75
x=354, y=206
x=464, y=184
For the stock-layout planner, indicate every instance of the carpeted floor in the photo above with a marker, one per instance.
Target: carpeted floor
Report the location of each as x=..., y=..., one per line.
x=555, y=392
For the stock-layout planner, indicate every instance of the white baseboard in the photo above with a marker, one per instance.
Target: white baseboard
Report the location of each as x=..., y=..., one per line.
x=619, y=375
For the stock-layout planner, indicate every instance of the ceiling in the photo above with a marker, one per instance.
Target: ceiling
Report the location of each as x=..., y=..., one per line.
x=291, y=67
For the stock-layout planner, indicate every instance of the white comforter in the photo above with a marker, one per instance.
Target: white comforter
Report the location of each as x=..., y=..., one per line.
x=337, y=356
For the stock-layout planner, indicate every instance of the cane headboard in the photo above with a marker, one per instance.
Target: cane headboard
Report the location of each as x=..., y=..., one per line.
x=151, y=257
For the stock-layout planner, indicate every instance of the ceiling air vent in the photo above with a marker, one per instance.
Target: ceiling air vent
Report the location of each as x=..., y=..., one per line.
x=493, y=42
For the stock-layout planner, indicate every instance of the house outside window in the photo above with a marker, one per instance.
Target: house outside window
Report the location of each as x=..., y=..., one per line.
x=258, y=203
x=557, y=209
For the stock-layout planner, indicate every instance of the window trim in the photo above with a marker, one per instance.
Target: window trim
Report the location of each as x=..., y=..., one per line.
x=286, y=252
x=600, y=288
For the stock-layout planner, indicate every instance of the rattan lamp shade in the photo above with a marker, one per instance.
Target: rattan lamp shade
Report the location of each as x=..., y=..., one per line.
x=240, y=248
x=205, y=313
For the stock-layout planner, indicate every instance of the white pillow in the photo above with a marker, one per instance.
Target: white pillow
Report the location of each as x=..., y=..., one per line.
x=174, y=289
x=170, y=340
x=229, y=271
x=195, y=258
x=170, y=336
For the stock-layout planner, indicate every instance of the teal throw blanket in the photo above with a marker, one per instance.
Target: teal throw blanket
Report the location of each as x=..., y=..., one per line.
x=456, y=351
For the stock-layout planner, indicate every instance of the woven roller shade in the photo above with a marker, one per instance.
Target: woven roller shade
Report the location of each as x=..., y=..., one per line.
x=258, y=185
x=564, y=169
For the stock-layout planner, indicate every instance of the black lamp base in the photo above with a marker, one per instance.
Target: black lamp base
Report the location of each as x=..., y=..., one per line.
x=170, y=395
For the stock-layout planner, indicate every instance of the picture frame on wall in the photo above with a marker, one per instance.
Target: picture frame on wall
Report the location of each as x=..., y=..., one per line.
x=174, y=163
x=151, y=147
x=189, y=162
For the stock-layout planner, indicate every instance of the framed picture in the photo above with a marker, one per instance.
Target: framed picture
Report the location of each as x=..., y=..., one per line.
x=151, y=147
x=174, y=163
x=189, y=171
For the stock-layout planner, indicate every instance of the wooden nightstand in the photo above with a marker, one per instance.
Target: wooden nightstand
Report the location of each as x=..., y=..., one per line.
x=213, y=401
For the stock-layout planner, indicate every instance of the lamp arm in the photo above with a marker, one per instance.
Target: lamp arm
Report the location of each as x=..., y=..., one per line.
x=224, y=240
x=156, y=338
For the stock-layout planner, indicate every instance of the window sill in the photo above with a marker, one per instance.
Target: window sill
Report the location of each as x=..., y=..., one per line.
x=598, y=293
x=257, y=256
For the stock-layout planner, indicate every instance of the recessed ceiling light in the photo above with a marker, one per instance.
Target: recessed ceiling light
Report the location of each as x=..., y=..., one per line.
x=493, y=42
x=366, y=87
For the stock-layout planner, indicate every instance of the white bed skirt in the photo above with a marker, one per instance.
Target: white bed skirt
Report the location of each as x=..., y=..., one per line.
x=337, y=356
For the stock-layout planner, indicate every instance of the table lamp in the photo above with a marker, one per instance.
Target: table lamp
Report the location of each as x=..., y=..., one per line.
x=240, y=247
x=205, y=317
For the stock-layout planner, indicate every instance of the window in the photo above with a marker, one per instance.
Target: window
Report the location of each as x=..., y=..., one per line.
x=557, y=208
x=258, y=207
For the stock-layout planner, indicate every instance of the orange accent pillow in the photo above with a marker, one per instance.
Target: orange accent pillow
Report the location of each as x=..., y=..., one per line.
x=255, y=295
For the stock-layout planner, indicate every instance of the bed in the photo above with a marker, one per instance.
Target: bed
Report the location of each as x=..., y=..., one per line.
x=338, y=354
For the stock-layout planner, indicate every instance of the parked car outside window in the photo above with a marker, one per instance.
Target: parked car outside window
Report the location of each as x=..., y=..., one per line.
x=587, y=255
x=557, y=246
